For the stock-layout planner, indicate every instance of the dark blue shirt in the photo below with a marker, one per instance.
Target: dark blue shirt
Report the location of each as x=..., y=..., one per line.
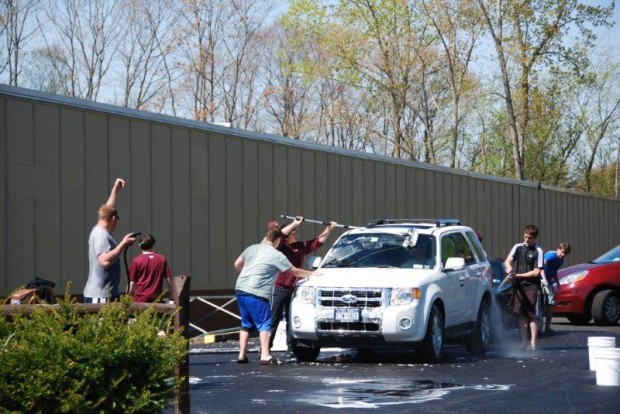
x=551, y=266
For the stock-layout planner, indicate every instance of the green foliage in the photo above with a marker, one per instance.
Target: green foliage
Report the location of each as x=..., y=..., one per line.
x=112, y=361
x=603, y=181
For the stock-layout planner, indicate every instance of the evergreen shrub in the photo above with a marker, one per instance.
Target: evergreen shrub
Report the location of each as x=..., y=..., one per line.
x=114, y=361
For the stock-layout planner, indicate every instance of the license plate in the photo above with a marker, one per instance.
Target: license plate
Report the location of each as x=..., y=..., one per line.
x=347, y=315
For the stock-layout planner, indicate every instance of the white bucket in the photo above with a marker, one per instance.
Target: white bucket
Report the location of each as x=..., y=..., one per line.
x=598, y=342
x=608, y=366
x=279, y=341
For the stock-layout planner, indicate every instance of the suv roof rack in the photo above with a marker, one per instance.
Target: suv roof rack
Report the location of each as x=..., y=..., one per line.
x=438, y=222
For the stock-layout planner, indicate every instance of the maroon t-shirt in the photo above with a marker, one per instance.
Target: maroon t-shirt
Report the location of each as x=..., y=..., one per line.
x=295, y=253
x=147, y=271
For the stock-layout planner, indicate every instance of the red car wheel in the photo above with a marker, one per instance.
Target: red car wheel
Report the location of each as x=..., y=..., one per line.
x=606, y=308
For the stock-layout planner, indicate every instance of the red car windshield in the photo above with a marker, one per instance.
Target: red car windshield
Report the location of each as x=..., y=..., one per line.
x=611, y=256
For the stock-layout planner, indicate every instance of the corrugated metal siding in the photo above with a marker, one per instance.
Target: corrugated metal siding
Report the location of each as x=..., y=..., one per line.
x=207, y=192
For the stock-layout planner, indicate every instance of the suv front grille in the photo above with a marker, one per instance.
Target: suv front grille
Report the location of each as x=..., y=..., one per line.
x=364, y=298
x=349, y=326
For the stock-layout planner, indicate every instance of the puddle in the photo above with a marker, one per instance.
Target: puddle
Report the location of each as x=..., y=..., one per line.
x=342, y=393
x=196, y=383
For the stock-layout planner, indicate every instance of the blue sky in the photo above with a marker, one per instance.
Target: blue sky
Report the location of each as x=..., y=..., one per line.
x=609, y=38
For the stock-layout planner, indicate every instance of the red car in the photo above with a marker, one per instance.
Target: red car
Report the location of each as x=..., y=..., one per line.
x=591, y=290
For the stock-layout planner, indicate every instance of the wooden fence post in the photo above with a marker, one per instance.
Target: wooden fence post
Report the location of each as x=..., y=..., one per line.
x=180, y=295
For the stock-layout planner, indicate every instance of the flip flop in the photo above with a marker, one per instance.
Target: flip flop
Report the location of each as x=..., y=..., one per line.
x=243, y=360
x=270, y=361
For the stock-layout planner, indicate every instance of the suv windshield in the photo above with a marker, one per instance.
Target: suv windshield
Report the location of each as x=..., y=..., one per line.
x=382, y=250
x=611, y=256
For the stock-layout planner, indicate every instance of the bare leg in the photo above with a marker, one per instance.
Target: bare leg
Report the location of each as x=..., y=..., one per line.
x=264, y=345
x=534, y=333
x=523, y=330
x=548, y=316
x=244, y=336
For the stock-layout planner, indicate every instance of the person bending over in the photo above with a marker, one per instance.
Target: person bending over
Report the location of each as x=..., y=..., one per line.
x=553, y=260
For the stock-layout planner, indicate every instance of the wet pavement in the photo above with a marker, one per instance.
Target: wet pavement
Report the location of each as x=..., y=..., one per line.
x=553, y=379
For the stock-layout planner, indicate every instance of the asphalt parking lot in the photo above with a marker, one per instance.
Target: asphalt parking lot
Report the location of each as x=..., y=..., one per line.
x=553, y=379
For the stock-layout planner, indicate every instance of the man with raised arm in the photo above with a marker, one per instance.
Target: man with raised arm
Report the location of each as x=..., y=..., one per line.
x=104, y=271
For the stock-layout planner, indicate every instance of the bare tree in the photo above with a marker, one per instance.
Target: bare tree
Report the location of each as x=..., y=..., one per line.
x=83, y=40
x=239, y=76
x=376, y=47
x=458, y=33
x=18, y=26
x=199, y=32
x=148, y=41
x=287, y=94
x=596, y=107
x=428, y=102
x=346, y=117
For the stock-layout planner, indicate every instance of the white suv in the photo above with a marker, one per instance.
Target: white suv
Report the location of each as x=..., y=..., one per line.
x=396, y=284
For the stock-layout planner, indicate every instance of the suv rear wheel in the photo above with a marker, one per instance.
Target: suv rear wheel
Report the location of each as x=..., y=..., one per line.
x=432, y=344
x=478, y=342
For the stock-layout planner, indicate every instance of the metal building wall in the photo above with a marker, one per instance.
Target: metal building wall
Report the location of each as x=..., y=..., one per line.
x=206, y=192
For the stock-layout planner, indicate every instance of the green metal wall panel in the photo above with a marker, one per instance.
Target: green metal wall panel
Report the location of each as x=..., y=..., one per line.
x=207, y=192
x=180, y=221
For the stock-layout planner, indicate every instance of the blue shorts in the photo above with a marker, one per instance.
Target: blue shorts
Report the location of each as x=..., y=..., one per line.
x=255, y=312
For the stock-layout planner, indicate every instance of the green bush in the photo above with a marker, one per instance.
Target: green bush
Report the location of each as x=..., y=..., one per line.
x=112, y=361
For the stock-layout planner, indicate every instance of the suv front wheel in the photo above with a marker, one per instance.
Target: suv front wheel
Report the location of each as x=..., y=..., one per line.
x=305, y=353
x=432, y=345
x=478, y=342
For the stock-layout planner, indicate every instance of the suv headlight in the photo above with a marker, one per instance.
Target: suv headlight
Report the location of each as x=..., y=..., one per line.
x=404, y=296
x=573, y=277
x=304, y=294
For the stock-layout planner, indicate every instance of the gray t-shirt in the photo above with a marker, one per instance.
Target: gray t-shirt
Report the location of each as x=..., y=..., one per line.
x=102, y=282
x=261, y=263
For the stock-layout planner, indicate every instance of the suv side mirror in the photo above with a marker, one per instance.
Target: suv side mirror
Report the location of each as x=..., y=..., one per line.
x=454, y=263
x=314, y=262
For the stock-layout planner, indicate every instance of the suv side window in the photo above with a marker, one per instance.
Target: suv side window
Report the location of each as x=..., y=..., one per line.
x=477, y=246
x=447, y=249
x=455, y=245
